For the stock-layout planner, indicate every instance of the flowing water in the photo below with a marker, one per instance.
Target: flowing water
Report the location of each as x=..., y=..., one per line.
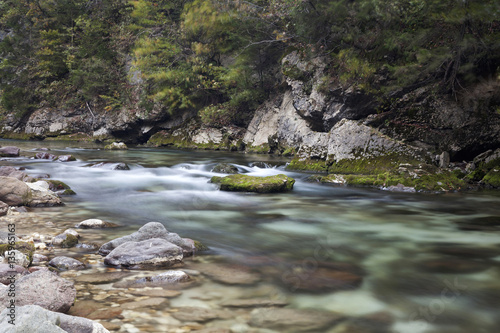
x=401, y=256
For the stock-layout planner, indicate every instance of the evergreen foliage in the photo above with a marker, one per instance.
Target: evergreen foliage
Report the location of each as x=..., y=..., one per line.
x=222, y=57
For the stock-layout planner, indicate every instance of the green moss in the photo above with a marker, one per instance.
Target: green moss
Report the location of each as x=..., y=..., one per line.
x=492, y=178
x=20, y=136
x=28, y=249
x=200, y=247
x=308, y=165
x=72, y=137
x=368, y=166
x=70, y=241
x=262, y=149
x=68, y=192
x=289, y=151
x=244, y=183
x=57, y=185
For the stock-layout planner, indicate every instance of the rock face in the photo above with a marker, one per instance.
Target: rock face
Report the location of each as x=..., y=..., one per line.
x=9, y=151
x=148, y=231
x=244, y=183
x=33, y=318
x=66, y=263
x=293, y=320
x=14, y=192
x=146, y=253
x=45, y=289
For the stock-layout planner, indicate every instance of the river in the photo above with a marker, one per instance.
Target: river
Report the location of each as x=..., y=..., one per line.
x=403, y=257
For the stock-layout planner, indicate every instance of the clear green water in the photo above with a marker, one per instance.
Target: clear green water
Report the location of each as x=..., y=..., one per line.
x=416, y=264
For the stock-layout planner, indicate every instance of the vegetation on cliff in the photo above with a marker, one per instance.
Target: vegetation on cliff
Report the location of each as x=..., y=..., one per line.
x=223, y=57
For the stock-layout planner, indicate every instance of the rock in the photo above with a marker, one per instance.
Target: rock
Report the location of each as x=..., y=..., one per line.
x=94, y=224
x=4, y=237
x=59, y=187
x=244, y=183
x=66, y=263
x=38, y=258
x=197, y=314
x=18, y=258
x=65, y=240
x=92, y=247
x=229, y=274
x=45, y=156
x=294, y=320
x=33, y=318
x=41, y=195
x=116, y=146
x=110, y=166
x=14, y=192
x=146, y=253
x=45, y=289
x=8, y=171
x=170, y=279
x=101, y=278
x=400, y=188
x=444, y=160
x=6, y=272
x=38, y=268
x=27, y=249
x=9, y=151
x=149, y=303
x=453, y=266
x=66, y=158
x=325, y=277
x=492, y=178
x=225, y=168
x=148, y=231
x=487, y=223
x=4, y=208
x=253, y=303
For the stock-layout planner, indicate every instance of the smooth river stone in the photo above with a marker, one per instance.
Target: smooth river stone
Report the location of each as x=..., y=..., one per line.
x=155, y=292
x=253, y=303
x=229, y=274
x=101, y=278
x=197, y=314
x=294, y=320
x=145, y=303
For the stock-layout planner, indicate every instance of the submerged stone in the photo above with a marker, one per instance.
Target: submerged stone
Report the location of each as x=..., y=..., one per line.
x=66, y=263
x=295, y=320
x=244, y=183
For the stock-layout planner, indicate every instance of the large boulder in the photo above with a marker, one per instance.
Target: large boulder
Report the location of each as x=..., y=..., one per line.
x=8, y=171
x=33, y=318
x=41, y=195
x=148, y=231
x=45, y=289
x=66, y=263
x=244, y=183
x=9, y=151
x=146, y=253
x=14, y=192
x=294, y=320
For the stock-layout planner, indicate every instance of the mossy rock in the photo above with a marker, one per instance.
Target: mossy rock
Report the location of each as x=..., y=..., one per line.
x=70, y=241
x=57, y=185
x=28, y=249
x=200, y=247
x=492, y=178
x=116, y=146
x=225, y=168
x=244, y=183
x=308, y=165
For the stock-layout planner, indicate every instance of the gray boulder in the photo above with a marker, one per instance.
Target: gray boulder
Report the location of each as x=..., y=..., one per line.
x=9, y=151
x=225, y=168
x=45, y=289
x=14, y=192
x=4, y=208
x=294, y=320
x=8, y=171
x=6, y=272
x=66, y=263
x=148, y=231
x=33, y=318
x=146, y=253
x=42, y=196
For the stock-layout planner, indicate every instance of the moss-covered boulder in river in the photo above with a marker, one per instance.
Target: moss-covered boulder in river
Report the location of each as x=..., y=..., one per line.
x=245, y=183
